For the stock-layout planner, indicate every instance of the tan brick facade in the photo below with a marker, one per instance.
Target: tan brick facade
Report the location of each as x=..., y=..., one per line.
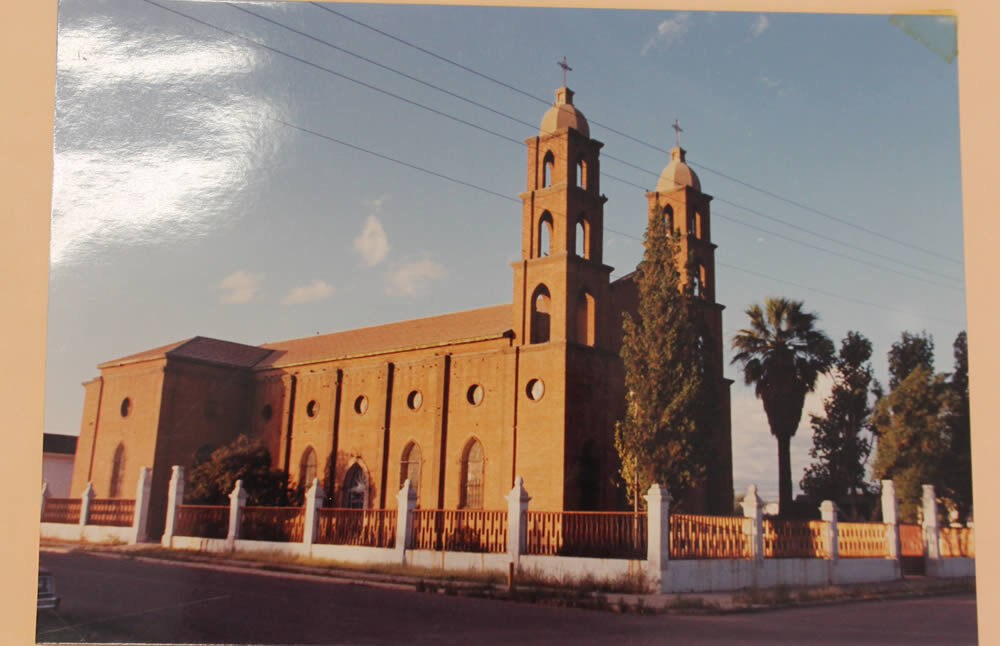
x=530, y=389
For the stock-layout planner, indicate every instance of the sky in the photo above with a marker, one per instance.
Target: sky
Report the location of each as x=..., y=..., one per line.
x=260, y=172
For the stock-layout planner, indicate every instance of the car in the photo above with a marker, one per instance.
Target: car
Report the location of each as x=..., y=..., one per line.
x=47, y=598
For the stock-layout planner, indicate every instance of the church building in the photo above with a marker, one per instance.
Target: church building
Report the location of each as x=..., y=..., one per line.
x=459, y=403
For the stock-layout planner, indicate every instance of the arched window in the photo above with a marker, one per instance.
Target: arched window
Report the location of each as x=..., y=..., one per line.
x=409, y=467
x=541, y=305
x=668, y=216
x=585, y=319
x=544, y=234
x=692, y=225
x=117, y=472
x=702, y=281
x=472, y=476
x=583, y=237
x=307, y=468
x=549, y=164
x=355, y=491
x=581, y=174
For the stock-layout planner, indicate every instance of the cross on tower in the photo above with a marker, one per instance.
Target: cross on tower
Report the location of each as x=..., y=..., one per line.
x=565, y=68
x=677, y=132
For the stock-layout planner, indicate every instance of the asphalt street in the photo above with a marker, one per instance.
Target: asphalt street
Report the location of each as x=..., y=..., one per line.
x=112, y=599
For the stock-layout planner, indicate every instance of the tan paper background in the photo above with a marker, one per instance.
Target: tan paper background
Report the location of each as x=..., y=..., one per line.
x=27, y=68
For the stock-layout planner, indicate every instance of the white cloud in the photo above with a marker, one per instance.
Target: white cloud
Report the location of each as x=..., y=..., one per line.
x=239, y=287
x=372, y=244
x=411, y=278
x=759, y=26
x=669, y=32
x=317, y=290
x=771, y=83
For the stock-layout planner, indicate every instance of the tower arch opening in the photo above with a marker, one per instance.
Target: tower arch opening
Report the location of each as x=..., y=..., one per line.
x=541, y=306
x=548, y=167
x=545, y=228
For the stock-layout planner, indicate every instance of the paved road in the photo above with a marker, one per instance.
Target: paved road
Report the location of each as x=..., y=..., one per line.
x=109, y=599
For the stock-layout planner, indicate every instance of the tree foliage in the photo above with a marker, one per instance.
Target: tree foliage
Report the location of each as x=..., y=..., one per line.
x=211, y=482
x=958, y=468
x=658, y=440
x=782, y=354
x=907, y=354
x=840, y=436
x=912, y=426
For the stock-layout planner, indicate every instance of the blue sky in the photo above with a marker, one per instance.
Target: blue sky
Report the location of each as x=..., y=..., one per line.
x=188, y=198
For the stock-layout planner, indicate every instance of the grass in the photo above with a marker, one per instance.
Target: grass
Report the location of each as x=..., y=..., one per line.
x=783, y=595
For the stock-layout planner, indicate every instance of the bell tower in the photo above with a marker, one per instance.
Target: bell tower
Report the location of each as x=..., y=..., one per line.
x=561, y=287
x=679, y=201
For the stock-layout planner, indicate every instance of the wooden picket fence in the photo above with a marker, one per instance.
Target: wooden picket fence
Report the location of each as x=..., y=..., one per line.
x=61, y=510
x=709, y=537
x=785, y=538
x=203, y=521
x=460, y=530
x=281, y=524
x=365, y=527
x=584, y=533
x=956, y=541
x=862, y=540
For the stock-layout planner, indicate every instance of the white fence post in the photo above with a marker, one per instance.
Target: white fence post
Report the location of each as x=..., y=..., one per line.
x=517, y=504
x=175, y=496
x=890, y=516
x=313, y=501
x=140, y=513
x=85, y=498
x=237, y=499
x=406, y=502
x=657, y=532
x=931, y=540
x=45, y=495
x=753, y=508
x=828, y=510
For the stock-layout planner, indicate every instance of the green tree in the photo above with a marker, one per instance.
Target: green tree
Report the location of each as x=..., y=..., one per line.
x=909, y=353
x=658, y=440
x=958, y=468
x=211, y=482
x=782, y=355
x=912, y=427
x=840, y=446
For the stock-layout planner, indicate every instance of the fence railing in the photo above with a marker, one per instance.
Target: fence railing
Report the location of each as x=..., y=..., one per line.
x=61, y=510
x=111, y=512
x=203, y=521
x=862, y=540
x=367, y=527
x=794, y=538
x=592, y=534
x=283, y=524
x=462, y=530
x=709, y=537
x=956, y=541
x=911, y=540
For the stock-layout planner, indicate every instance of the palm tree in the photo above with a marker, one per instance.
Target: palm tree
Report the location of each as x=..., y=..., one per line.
x=782, y=356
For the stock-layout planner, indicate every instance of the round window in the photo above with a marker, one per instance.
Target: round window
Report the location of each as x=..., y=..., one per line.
x=361, y=405
x=414, y=400
x=266, y=412
x=126, y=407
x=312, y=408
x=475, y=394
x=535, y=389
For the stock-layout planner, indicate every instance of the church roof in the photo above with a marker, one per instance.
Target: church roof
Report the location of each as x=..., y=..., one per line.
x=563, y=115
x=677, y=173
x=199, y=348
x=470, y=325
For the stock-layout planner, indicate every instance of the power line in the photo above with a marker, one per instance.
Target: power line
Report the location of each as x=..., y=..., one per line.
x=530, y=125
x=442, y=175
x=752, y=187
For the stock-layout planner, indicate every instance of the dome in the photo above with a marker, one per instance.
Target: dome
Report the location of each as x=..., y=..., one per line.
x=563, y=115
x=677, y=174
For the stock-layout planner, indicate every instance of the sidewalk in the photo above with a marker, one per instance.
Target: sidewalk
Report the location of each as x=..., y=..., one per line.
x=749, y=600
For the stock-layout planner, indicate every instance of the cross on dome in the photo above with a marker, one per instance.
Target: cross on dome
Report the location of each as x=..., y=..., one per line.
x=565, y=68
x=677, y=132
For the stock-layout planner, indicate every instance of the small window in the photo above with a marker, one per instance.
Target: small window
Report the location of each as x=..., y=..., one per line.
x=307, y=468
x=414, y=400
x=535, y=389
x=267, y=412
x=540, y=307
x=692, y=226
x=668, y=217
x=355, y=492
x=544, y=234
x=409, y=468
x=475, y=394
x=361, y=405
x=585, y=315
x=549, y=164
x=581, y=174
x=583, y=238
x=312, y=408
x=472, y=476
x=126, y=407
